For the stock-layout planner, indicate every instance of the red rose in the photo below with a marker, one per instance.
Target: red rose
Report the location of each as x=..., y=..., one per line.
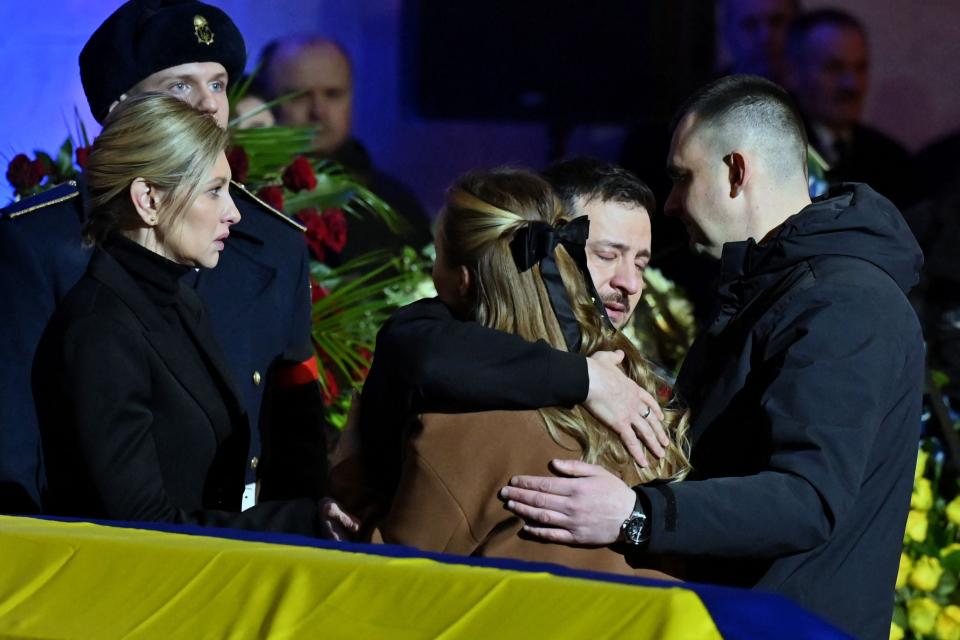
x=273, y=196
x=239, y=163
x=332, y=391
x=299, y=175
x=39, y=170
x=316, y=232
x=24, y=174
x=83, y=154
x=336, y=224
x=317, y=292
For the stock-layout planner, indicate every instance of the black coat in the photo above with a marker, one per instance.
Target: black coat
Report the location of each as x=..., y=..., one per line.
x=139, y=418
x=258, y=298
x=805, y=393
x=427, y=360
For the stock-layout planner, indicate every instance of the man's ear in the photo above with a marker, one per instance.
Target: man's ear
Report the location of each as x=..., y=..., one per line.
x=145, y=201
x=464, y=282
x=738, y=171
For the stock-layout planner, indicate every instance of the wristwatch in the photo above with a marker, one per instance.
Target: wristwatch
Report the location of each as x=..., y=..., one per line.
x=635, y=530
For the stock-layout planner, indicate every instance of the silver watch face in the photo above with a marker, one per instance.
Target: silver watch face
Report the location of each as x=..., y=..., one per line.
x=633, y=530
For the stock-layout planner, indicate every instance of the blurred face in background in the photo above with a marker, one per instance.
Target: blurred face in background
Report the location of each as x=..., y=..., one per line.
x=323, y=72
x=755, y=32
x=830, y=80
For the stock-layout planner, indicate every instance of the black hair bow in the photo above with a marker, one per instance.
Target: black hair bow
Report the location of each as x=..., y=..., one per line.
x=535, y=244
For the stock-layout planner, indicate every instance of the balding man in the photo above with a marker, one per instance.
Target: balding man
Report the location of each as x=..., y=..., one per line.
x=828, y=72
x=804, y=391
x=320, y=72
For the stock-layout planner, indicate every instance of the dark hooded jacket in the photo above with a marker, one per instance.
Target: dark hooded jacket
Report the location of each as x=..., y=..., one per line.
x=805, y=393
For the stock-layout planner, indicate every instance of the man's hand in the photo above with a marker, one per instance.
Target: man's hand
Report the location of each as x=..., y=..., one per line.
x=621, y=404
x=586, y=508
x=337, y=524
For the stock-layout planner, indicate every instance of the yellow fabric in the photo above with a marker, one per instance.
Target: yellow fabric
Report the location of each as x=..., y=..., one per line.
x=79, y=580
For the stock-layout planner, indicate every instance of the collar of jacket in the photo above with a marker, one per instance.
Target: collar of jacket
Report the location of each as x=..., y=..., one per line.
x=105, y=269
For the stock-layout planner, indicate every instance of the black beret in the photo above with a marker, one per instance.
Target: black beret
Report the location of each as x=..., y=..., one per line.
x=146, y=36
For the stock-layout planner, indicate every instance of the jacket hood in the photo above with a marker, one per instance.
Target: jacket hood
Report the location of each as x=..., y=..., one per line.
x=853, y=220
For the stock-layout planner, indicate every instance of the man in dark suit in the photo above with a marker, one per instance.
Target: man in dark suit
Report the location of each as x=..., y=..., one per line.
x=828, y=73
x=804, y=391
x=258, y=297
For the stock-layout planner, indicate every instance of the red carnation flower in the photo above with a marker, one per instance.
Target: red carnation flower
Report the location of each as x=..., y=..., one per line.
x=299, y=175
x=273, y=196
x=336, y=225
x=239, y=163
x=316, y=232
x=317, y=292
x=25, y=174
x=332, y=391
x=83, y=154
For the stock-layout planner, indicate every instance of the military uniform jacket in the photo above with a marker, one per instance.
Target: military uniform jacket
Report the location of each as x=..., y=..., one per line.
x=259, y=303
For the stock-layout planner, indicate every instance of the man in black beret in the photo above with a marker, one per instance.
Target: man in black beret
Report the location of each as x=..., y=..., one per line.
x=258, y=297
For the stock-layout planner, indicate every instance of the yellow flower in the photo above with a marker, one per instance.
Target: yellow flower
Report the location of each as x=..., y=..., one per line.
x=922, y=615
x=922, y=457
x=896, y=631
x=917, y=525
x=906, y=565
x=926, y=573
x=948, y=623
x=953, y=510
x=922, y=497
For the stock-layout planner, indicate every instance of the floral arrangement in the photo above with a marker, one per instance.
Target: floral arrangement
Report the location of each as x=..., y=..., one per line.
x=30, y=177
x=352, y=300
x=663, y=327
x=927, y=604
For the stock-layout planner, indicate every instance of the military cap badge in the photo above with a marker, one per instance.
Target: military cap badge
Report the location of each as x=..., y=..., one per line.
x=202, y=29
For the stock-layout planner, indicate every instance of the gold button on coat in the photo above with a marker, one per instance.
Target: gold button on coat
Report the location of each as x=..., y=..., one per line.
x=254, y=461
x=256, y=377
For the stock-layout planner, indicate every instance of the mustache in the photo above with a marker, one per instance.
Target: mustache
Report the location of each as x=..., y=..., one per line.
x=618, y=298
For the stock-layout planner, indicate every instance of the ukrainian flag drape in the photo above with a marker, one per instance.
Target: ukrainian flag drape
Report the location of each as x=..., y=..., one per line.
x=61, y=579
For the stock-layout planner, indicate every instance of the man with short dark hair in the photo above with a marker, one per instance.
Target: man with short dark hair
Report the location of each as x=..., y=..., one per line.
x=804, y=391
x=619, y=207
x=258, y=297
x=828, y=72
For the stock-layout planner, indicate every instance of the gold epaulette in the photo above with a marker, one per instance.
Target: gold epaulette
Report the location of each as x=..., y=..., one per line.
x=42, y=200
x=293, y=223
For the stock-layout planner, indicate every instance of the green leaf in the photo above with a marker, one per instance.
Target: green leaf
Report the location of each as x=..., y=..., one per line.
x=951, y=562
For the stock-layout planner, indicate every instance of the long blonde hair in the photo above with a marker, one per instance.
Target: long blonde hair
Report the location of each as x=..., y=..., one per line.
x=483, y=212
x=159, y=138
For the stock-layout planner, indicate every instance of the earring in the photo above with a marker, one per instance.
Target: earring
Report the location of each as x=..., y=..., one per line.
x=153, y=220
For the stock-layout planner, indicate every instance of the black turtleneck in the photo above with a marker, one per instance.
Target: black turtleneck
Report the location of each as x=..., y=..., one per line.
x=157, y=276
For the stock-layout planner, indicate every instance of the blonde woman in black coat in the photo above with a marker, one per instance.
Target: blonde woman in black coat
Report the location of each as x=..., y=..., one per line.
x=138, y=416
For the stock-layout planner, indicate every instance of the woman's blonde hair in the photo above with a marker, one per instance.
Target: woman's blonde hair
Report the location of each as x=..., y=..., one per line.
x=159, y=138
x=483, y=212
